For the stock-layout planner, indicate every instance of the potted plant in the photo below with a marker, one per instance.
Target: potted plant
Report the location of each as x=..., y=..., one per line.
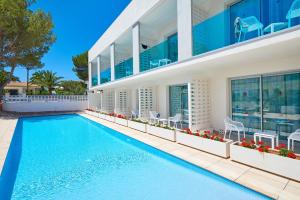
x=138, y=124
x=121, y=119
x=205, y=140
x=162, y=131
x=102, y=115
x=279, y=161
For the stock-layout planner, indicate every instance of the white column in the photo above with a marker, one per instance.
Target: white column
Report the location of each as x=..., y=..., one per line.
x=190, y=105
x=98, y=69
x=184, y=28
x=116, y=109
x=112, y=61
x=90, y=75
x=136, y=48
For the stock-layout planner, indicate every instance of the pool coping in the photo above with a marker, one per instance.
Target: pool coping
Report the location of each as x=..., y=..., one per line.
x=269, y=184
x=263, y=182
x=8, y=124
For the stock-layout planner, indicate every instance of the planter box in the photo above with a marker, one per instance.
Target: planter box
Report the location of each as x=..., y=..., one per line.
x=120, y=121
x=110, y=118
x=211, y=146
x=92, y=113
x=137, y=126
x=102, y=116
x=273, y=163
x=161, y=132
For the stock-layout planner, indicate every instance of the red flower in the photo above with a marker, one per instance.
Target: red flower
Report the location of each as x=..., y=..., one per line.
x=291, y=155
x=260, y=143
x=252, y=142
x=260, y=149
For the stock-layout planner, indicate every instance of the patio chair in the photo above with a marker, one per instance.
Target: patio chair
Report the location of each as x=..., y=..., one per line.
x=233, y=126
x=175, y=120
x=154, y=117
x=134, y=114
x=294, y=12
x=245, y=25
x=292, y=138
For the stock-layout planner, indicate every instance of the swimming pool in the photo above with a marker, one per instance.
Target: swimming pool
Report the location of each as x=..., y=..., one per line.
x=70, y=157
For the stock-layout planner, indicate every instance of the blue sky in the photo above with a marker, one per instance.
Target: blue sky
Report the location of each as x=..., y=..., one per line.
x=78, y=25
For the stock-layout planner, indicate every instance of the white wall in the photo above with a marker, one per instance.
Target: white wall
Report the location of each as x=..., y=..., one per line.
x=45, y=107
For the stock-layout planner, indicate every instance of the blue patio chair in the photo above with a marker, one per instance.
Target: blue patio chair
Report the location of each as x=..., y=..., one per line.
x=293, y=12
x=245, y=25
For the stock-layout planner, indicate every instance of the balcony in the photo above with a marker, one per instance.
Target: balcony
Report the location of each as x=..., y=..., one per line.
x=124, y=69
x=158, y=37
x=123, y=56
x=94, y=73
x=105, y=69
x=105, y=75
x=218, y=24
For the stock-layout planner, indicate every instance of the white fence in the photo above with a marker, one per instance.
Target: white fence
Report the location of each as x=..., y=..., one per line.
x=45, y=103
x=44, y=98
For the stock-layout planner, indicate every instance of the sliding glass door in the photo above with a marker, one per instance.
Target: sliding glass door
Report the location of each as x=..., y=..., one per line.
x=178, y=101
x=281, y=103
x=246, y=102
x=277, y=96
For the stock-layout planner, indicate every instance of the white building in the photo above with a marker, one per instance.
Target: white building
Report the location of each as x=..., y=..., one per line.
x=205, y=59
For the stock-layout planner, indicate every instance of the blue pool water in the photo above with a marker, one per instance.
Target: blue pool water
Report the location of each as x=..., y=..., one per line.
x=70, y=157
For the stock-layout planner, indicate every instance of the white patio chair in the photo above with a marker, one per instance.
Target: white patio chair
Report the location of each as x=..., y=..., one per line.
x=292, y=138
x=175, y=120
x=134, y=114
x=153, y=117
x=233, y=126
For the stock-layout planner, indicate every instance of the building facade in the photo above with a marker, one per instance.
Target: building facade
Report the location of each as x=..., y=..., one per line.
x=204, y=59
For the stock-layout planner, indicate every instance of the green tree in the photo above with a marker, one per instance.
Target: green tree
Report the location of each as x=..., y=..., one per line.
x=71, y=88
x=80, y=67
x=46, y=79
x=4, y=76
x=25, y=36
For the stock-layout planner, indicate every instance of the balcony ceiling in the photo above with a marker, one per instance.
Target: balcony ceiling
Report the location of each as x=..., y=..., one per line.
x=160, y=18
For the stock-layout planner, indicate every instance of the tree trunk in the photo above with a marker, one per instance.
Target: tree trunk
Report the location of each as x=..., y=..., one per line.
x=27, y=83
x=7, y=80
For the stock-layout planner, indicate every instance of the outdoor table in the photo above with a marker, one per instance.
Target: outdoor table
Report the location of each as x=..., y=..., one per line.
x=273, y=27
x=271, y=136
x=164, y=61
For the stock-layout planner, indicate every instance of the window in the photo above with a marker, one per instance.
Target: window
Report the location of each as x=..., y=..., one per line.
x=277, y=96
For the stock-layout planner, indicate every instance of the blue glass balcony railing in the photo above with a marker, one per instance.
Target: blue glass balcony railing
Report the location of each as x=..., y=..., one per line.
x=105, y=76
x=162, y=54
x=94, y=80
x=124, y=69
x=244, y=20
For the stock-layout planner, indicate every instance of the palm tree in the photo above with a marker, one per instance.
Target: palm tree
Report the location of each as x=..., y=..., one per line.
x=46, y=79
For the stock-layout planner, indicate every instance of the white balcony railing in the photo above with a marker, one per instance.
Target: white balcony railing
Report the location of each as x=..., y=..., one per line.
x=45, y=98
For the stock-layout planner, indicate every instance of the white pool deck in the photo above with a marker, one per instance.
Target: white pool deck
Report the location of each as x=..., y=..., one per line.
x=269, y=184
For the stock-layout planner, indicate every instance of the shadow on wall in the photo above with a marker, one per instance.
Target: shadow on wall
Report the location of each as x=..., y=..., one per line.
x=11, y=165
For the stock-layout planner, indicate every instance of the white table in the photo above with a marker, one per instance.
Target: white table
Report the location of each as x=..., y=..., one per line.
x=164, y=61
x=272, y=136
x=275, y=27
